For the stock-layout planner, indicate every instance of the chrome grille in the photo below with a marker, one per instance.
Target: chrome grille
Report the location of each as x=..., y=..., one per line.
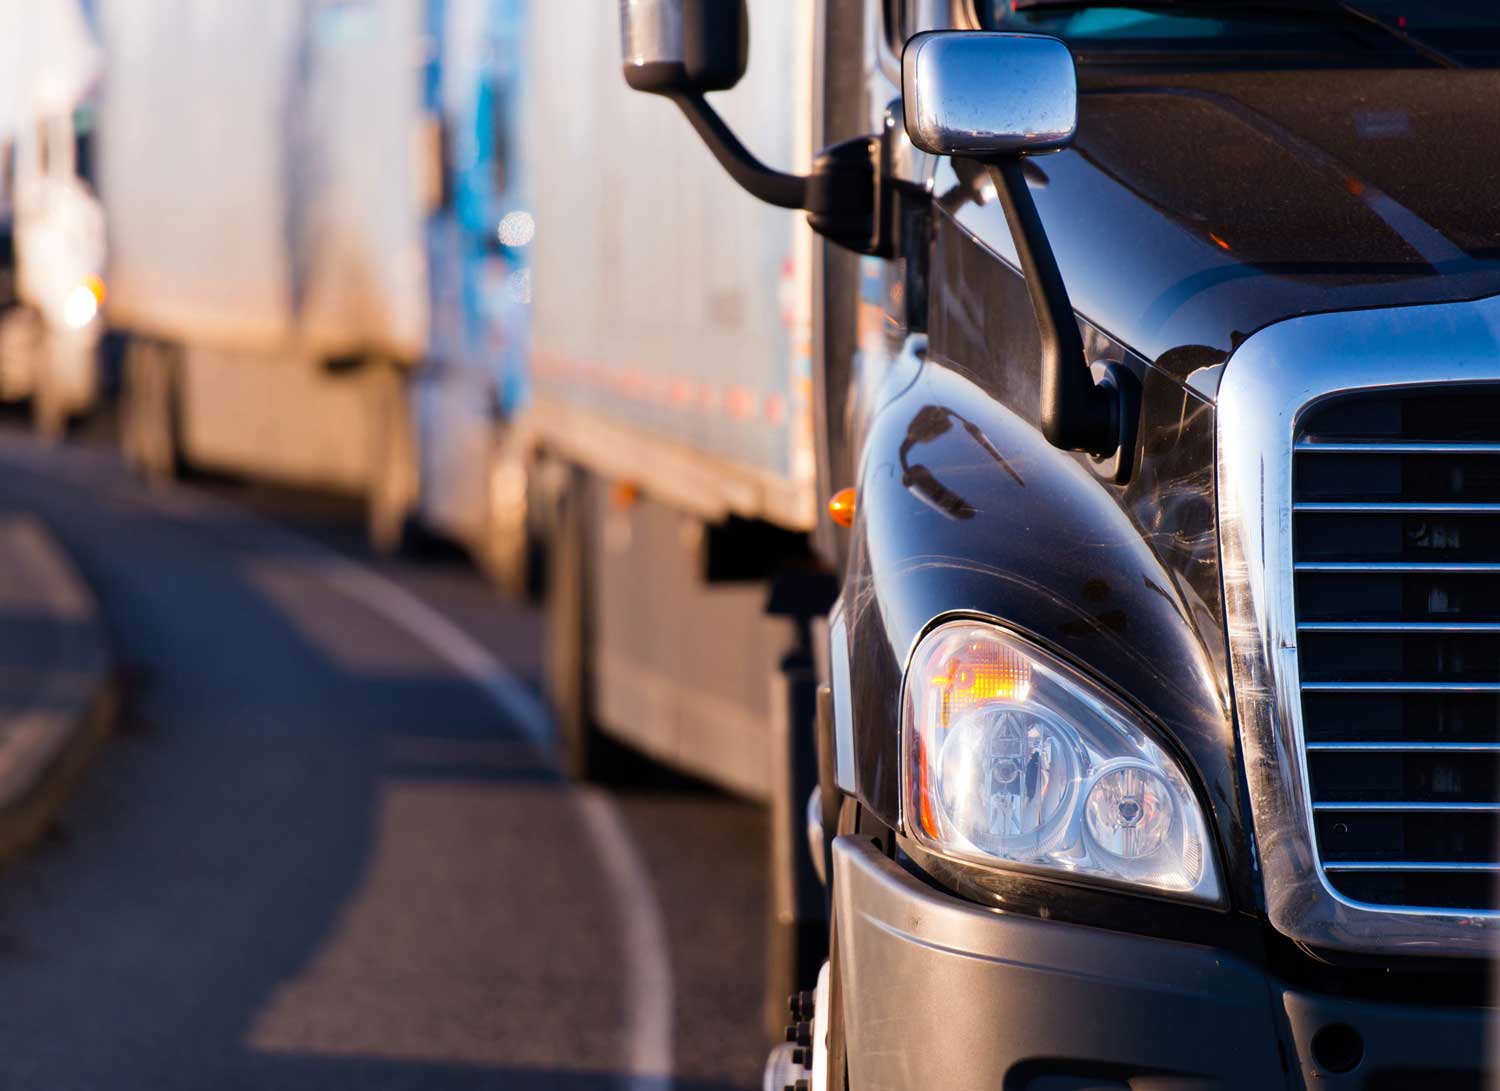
x=1396, y=549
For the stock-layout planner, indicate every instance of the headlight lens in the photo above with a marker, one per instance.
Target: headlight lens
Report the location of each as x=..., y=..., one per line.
x=1011, y=757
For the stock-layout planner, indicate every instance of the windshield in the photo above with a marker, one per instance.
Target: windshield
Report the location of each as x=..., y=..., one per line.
x=1374, y=32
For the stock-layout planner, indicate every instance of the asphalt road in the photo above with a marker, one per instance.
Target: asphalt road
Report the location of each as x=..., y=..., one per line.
x=326, y=847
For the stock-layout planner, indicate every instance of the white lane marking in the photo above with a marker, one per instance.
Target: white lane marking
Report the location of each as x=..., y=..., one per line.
x=645, y=939
x=649, y=992
x=462, y=652
x=648, y=967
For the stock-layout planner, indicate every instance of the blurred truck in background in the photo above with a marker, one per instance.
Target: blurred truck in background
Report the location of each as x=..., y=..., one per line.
x=304, y=203
x=474, y=378
x=51, y=222
x=672, y=427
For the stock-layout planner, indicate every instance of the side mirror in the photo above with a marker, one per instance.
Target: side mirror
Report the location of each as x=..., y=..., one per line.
x=984, y=94
x=678, y=47
x=682, y=49
x=994, y=98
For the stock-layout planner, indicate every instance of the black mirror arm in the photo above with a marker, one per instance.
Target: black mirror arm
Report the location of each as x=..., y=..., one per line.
x=1077, y=414
x=840, y=196
x=771, y=186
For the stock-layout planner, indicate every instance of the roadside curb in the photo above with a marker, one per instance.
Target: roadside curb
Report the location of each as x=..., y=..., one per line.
x=58, y=691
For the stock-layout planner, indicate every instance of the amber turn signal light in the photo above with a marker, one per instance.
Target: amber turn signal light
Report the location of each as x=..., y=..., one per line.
x=841, y=507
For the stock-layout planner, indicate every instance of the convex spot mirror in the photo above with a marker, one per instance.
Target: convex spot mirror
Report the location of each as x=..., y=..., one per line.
x=983, y=95
x=675, y=47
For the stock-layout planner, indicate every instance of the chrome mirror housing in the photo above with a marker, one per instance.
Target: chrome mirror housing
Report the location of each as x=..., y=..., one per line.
x=994, y=98
x=674, y=47
x=984, y=94
x=651, y=32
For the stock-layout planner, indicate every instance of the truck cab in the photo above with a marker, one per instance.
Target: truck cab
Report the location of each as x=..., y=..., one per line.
x=52, y=229
x=1159, y=351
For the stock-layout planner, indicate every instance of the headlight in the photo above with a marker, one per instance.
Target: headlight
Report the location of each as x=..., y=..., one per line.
x=80, y=307
x=1010, y=757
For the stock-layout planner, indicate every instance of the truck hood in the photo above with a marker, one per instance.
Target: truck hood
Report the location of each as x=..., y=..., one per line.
x=1197, y=208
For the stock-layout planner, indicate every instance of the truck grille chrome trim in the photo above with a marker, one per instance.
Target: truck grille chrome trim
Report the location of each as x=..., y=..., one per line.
x=1364, y=621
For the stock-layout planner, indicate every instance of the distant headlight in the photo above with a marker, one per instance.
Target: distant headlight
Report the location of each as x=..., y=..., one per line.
x=1011, y=758
x=82, y=303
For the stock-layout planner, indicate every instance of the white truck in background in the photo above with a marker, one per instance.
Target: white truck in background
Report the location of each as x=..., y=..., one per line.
x=51, y=223
x=672, y=423
x=476, y=378
x=312, y=285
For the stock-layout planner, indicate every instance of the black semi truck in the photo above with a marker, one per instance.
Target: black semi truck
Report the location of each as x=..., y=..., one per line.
x=1160, y=346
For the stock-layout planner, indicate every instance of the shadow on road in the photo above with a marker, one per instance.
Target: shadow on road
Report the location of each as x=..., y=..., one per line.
x=317, y=857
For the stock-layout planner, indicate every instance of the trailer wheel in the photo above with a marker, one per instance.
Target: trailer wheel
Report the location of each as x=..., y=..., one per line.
x=19, y=324
x=505, y=546
x=148, y=419
x=49, y=408
x=569, y=678
x=391, y=495
x=32, y=346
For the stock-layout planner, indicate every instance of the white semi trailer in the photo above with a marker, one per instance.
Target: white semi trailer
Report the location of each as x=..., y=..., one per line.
x=672, y=420
x=305, y=275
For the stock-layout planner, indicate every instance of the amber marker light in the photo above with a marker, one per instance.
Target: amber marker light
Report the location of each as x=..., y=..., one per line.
x=623, y=495
x=841, y=507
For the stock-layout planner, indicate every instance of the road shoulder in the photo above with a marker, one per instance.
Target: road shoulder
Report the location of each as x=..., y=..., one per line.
x=57, y=683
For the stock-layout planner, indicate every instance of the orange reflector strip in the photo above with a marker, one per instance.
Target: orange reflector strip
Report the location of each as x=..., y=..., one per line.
x=841, y=507
x=623, y=494
x=924, y=796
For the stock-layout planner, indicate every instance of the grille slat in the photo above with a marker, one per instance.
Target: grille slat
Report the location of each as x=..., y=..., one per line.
x=1407, y=865
x=1403, y=747
x=1396, y=554
x=1401, y=687
x=1388, y=507
x=1467, y=567
x=1411, y=806
x=1430, y=448
x=1399, y=627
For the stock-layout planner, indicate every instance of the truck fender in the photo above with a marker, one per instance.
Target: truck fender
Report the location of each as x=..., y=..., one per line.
x=964, y=509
